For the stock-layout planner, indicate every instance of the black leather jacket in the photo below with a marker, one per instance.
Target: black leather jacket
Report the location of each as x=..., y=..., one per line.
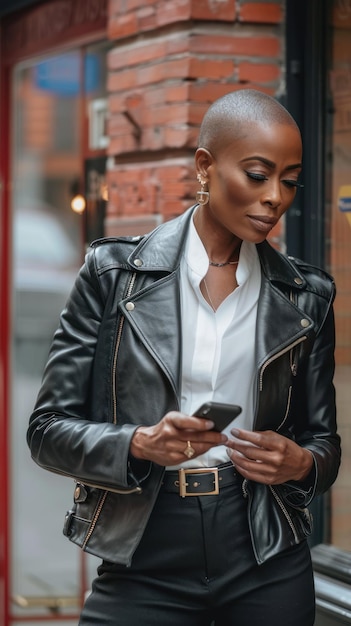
x=115, y=364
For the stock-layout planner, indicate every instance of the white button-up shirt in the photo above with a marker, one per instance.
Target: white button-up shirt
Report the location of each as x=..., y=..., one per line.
x=218, y=346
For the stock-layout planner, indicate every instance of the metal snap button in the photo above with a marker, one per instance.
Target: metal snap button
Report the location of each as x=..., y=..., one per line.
x=298, y=280
x=304, y=323
x=130, y=306
x=138, y=262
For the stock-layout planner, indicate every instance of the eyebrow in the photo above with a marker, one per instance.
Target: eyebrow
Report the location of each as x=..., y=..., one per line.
x=271, y=163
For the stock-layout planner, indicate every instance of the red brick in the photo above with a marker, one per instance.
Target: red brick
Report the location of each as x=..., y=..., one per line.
x=160, y=115
x=147, y=19
x=181, y=10
x=177, y=68
x=258, y=72
x=135, y=53
x=131, y=5
x=153, y=138
x=122, y=26
x=180, y=137
x=166, y=188
x=173, y=11
x=120, y=7
x=208, y=91
x=261, y=12
x=210, y=68
x=122, y=144
x=221, y=10
x=236, y=45
x=177, y=92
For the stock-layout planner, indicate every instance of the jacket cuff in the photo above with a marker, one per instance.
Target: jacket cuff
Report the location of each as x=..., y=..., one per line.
x=299, y=494
x=138, y=471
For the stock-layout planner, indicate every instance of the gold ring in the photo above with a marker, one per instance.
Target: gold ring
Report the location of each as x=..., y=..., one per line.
x=189, y=450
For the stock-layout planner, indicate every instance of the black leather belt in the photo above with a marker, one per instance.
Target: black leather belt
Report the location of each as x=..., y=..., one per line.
x=201, y=481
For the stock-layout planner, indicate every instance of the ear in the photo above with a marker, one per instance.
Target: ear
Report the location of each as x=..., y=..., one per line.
x=203, y=158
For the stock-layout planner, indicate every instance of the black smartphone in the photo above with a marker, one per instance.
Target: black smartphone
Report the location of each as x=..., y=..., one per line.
x=220, y=413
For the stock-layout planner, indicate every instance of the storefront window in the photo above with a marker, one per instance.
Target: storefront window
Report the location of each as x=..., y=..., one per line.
x=49, y=577
x=339, y=237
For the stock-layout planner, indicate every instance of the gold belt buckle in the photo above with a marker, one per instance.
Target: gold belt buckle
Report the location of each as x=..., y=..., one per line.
x=202, y=470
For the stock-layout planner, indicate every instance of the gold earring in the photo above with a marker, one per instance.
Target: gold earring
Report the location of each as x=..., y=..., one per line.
x=202, y=196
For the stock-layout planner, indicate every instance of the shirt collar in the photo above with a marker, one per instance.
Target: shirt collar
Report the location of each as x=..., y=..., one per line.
x=197, y=260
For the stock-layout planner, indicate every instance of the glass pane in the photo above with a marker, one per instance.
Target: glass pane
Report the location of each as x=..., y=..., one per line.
x=47, y=252
x=340, y=254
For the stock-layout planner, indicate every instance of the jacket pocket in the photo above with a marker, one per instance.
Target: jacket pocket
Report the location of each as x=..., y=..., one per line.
x=274, y=525
x=79, y=519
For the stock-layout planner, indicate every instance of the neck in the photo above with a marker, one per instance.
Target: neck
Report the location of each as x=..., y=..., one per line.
x=222, y=247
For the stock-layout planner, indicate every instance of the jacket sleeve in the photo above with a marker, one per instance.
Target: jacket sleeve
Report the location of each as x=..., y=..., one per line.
x=315, y=417
x=61, y=435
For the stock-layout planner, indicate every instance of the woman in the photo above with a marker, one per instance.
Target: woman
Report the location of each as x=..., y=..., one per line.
x=201, y=309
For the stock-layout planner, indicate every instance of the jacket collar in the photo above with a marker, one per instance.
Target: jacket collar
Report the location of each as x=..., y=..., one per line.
x=161, y=250
x=279, y=268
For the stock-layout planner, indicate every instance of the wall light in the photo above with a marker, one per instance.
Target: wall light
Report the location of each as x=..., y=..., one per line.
x=78, y=203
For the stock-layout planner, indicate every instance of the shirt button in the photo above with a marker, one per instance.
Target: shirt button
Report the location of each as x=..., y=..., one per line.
x=130, y=306
x=138, y=262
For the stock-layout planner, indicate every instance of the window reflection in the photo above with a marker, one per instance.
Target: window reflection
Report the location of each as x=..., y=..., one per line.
x=340, y=254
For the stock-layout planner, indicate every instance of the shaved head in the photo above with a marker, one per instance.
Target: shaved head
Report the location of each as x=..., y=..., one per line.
x=228, y=117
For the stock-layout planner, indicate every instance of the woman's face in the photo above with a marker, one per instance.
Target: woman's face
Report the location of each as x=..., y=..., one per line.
x=252, y=180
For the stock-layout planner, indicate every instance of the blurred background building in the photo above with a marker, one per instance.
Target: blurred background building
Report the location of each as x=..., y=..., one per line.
x=100, y=105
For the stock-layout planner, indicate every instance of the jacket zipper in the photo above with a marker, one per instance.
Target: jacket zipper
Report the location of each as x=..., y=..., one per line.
x=119, y=335
x=114, y=398
x=286, y=410
x=281, y=506
x=245, y=481
x=95, y=519
x=276, y=356
x=285, y=511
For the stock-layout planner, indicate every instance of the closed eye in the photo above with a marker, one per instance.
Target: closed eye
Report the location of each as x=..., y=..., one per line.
x=292, y=183
x=261, y=177
x=255, y=176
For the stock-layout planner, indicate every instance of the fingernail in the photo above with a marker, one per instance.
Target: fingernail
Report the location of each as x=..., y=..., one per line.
x=235, y=432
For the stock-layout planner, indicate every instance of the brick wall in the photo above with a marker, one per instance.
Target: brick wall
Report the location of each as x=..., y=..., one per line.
x=169, y=61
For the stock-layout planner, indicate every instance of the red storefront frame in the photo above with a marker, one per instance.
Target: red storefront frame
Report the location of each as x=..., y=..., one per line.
x=45, y=27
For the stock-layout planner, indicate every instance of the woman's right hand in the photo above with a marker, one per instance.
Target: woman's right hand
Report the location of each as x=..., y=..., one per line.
x=165, y=442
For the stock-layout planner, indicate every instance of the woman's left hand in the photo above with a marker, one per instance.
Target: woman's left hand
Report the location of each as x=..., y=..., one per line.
x=267, y=457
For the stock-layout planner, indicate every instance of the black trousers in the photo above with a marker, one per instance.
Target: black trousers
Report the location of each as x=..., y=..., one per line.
x=195, y=567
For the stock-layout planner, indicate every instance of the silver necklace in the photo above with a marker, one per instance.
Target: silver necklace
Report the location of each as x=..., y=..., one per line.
x=208, y=295
x=222, y=264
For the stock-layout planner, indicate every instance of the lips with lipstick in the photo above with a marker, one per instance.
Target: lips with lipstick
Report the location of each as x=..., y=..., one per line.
x=263, y=223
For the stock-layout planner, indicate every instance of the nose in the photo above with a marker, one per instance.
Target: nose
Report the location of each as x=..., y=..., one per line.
x=272, y=193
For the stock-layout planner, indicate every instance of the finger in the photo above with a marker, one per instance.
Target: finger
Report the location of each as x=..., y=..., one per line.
x=252, y=470
x=189, y=422
x=256, y=454
x=269, y=440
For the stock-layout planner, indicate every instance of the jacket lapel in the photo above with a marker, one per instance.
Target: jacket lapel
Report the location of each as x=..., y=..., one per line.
x=154, y=310
x=280, y=322
x=154, y=315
